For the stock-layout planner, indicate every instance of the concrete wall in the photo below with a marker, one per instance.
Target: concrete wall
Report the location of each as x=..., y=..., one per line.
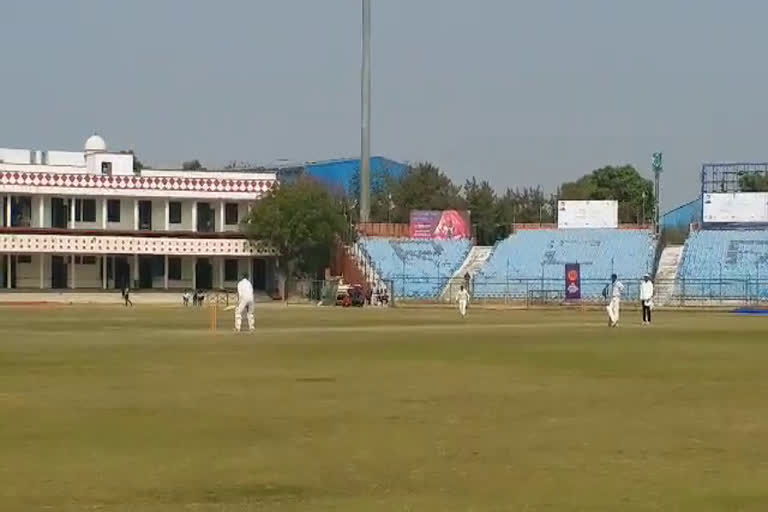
x=73, y=158
x=122, y=164
x=28, y=274
x=15, y=156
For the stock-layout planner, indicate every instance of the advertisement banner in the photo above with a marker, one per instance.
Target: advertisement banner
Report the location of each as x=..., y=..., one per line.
x=736, y=208
x=572, y=281
x=587, y=214
x=440, y=225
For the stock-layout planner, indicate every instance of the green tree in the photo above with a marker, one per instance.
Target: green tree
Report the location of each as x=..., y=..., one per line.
x=382, y=188
x=192, y=165
x=302, y=221
x=526, y=206
x=424, y=187
x=753, y=183
x=623, y=184
x=482, y=204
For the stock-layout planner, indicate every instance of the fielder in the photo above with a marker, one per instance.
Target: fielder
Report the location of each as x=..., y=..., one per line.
x=244, y=303
x=614, y=305
x=463, y=299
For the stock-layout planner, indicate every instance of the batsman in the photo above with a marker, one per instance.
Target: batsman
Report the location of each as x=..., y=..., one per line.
x=244, y=304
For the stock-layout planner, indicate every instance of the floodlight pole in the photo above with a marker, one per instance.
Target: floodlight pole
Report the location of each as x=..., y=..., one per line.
x=658, y=167
x=365, y=124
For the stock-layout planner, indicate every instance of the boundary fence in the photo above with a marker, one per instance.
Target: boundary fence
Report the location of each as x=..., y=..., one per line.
x=542, y=290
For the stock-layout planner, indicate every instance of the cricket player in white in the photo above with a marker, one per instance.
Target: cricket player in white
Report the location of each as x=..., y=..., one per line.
x=463, y=299
x=244, y=303
x=646, y=298
x=615, y=303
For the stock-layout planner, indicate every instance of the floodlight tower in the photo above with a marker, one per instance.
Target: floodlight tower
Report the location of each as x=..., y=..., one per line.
x=365, y=124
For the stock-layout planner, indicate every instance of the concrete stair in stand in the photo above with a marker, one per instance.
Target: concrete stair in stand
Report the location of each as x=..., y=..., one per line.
x=666, y=274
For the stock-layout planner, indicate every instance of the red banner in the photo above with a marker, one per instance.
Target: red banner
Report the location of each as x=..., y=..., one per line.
x=437, y=225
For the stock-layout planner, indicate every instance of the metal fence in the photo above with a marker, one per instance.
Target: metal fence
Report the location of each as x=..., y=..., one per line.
x=541, y=290
x=404, y=289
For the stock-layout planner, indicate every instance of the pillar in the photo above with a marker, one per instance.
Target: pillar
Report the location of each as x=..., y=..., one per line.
x=167, y=220
x=249, y=262
x=8, y=270
x=165, y=265
x=41, y=212
x=194, y=218
x=194, y=273
x=221, y=217
x=42, y=270
x=8, y=211
x=135, y=271
x=72, y=277
x=221, y=273
x=72, y=201
x=104, y=215
x=135, y=214
x=104, y=271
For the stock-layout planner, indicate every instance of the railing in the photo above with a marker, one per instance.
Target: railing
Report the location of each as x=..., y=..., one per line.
x=748, y=290
x=393, y=230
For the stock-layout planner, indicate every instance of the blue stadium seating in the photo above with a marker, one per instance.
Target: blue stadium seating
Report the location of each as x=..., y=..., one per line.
x=416, y=268
x=725, y=264
x=541, y=255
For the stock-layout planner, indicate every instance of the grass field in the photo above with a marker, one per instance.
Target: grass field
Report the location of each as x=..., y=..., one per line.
x=386, y=410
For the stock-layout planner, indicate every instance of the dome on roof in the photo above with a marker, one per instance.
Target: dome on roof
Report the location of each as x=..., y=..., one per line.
x=95, y=143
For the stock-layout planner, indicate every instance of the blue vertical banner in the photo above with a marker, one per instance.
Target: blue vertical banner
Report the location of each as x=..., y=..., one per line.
x=572, y=281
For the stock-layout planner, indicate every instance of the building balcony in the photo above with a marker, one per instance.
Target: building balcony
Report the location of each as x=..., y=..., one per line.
x=62, y=241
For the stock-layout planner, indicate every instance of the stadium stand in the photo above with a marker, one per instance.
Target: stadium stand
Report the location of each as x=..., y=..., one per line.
x=522, y=259
x=725, y=264
x=416, y=268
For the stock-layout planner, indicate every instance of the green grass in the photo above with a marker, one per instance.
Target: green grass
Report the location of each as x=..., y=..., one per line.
x=387, y=410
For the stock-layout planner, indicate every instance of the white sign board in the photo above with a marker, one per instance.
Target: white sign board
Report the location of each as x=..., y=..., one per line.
x=741, y=207
x=587, y=214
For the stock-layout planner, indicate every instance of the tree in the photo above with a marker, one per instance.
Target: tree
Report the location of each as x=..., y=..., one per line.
x=382, y=188
x=302, y=221
x=481, y=201
x=623, y=184
x=424, y=187
x=526, y=206
x=192, y=165
x=753, y=183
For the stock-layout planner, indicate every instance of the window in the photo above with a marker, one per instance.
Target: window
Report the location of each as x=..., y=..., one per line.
x=23, y=258
x=174, y=269
x=174, y=212
x=85, y=210
x=230, y=270
x=85, y=260
x=21, y=211
x=106, y=168
x=206, y=218
x=113, y=210
x=230, y=214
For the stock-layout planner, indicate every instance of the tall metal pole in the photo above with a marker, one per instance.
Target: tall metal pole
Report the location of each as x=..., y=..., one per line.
x=365, y=124
x=657, y=176
x=658, y=167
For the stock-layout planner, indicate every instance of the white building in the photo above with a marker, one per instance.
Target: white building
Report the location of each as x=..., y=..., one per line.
x=87, y=220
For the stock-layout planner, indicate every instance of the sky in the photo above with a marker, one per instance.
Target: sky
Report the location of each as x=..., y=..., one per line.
x=520, y=93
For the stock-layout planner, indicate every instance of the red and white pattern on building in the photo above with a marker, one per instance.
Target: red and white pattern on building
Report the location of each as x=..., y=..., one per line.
x=86, y=244
x=162, y=186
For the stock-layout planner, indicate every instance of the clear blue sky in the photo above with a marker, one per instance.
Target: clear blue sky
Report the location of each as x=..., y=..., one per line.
x=518, y=92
